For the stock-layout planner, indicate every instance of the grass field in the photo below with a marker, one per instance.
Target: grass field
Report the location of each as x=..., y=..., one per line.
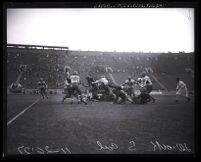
x=164, y=127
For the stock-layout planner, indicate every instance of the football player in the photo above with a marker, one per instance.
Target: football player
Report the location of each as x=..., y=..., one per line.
x=67, y=89
x=42, y=87
x=90, y=80
x=181, y=90
x=147, y=86
x=120, y=94
x=92, y=87
x=129, y=83
x=75, y=82
x=103, y=83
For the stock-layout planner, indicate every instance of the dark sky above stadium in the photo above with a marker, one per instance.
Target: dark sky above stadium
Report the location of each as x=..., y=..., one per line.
x=146, y=30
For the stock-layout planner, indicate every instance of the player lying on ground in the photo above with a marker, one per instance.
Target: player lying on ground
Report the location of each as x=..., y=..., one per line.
x=181, y=90
x=42, y=88
x=120, y=95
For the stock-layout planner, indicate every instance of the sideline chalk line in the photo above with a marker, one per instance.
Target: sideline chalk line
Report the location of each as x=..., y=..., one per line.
x=22, y=112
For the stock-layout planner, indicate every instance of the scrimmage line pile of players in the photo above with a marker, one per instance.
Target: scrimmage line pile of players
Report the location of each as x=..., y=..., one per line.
x=104, y=90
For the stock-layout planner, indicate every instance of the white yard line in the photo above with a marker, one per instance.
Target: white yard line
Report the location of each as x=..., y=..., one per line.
x=22, y=112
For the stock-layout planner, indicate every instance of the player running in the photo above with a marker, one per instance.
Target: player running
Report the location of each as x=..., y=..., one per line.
x=181, y=90
x=42, y=87
x=75, y=90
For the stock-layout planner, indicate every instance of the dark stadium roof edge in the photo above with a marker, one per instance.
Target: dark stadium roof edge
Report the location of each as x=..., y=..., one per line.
x=37, y=47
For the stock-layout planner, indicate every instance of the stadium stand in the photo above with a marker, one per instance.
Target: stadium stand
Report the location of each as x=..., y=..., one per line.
x=49, y=62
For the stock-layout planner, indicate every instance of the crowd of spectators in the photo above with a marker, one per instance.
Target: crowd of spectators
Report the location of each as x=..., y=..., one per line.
x=50, y=64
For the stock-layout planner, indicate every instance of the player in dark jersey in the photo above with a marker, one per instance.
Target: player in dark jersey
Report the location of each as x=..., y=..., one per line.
x=42, y=87
x=120, y=94
x=67, y=89
x=93, y=88
x=90, y=80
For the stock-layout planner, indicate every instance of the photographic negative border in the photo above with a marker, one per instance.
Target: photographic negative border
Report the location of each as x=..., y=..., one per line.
x=194, y=5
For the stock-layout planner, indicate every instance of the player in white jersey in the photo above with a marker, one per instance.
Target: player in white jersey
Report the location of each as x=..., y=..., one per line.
x=103, y=80
x=103, y=83
x=139, y=81
x=129, y=86
x=147, y=86
x=75, y=82
x=181, y=90
x=146, y=82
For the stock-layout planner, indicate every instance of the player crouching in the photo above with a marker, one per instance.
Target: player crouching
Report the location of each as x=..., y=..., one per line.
x=181, y=90
x=42, y=88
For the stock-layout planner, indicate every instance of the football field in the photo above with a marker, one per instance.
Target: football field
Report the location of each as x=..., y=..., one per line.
x=45, y=126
